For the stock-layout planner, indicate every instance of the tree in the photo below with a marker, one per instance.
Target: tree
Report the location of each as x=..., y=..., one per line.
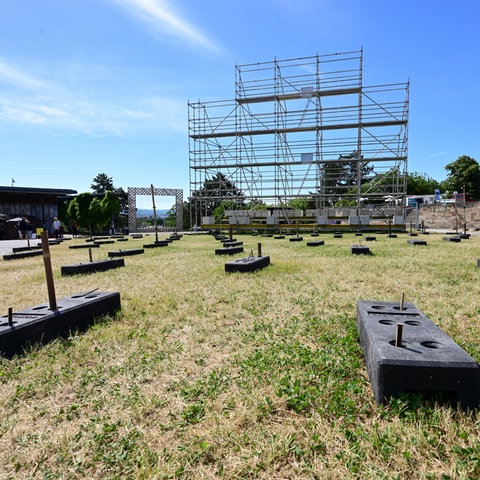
x=339, y=176
x=92, y=212
x=102, y=183
x=171, y=220
x=421, y=184
x=110, y=207
x=464, y=173
x=210, y=196
x=79, y=210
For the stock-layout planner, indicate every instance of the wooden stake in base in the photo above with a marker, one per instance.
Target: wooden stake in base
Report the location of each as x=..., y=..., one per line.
x=48, y=271
x=398, y=337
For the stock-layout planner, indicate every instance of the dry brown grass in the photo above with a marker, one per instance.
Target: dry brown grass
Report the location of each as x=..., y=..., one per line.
x=207, y=375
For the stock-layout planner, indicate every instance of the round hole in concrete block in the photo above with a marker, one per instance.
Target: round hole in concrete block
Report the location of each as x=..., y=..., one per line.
x=386, y=322
x=431, y=344
x=412, y=323
x=398, y=308
x=378, y=307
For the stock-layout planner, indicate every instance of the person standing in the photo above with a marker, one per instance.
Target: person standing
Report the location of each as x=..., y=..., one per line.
x=22, y=228
x=57, y=227
x=29, y=230
x=74, y=228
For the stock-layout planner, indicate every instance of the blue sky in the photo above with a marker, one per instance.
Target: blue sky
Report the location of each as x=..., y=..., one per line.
x=102, y=86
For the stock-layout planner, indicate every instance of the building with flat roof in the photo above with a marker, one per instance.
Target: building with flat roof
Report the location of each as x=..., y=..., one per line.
x=39, y=205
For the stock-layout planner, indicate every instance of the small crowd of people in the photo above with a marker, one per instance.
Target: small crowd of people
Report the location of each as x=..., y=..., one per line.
x=25, y=229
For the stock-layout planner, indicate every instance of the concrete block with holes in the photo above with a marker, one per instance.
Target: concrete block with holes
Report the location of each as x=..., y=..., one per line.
x=40, y=324
x=249, y=264
x=427, y=360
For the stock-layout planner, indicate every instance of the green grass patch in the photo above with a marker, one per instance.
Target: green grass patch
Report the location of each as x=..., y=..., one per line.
x=239, y=376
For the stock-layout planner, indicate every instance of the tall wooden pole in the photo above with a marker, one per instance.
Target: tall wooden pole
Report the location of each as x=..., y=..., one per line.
x=48, y=271
x=154, y=213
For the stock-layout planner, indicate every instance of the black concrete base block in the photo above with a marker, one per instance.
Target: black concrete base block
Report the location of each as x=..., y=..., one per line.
x=40, y=324
x=126, y=253
x=296, y=239
x=96, y=239
x=266, y=235
x=156, y=244
x=413, y=234
x=314, y=235
x=249, y=264
x=232, y=244
x=122, y=239
x=103, y=242
x=16, y=256
x=359, y=250
x=452, y=239
x=228, y=250
x=428, y=360
x=317, y=243
x=392, y=235
x=226, y=240
x=175, y=237
x=221, y=237
x=25, y=249
x=279, y=237
x=478, y=262
x=417, y=242
x=83, y=245
x=137, y=235
x=359, y=234
x=465, y=236
x=50, y=242
x=337, y=235
x=370, y=239
x=91, y=267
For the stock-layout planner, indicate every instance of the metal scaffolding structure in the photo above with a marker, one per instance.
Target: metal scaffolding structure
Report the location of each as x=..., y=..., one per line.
x=304, y=128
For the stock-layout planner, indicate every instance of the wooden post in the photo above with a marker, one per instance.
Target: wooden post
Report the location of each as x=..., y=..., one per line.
x=230, y=232
x=90, y=255
x=259, y=249
x=402, y=301
x=154, y=212
x=398, y=338
x=10, y=316
x=48, y=271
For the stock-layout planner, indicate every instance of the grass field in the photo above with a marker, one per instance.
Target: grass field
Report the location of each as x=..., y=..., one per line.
x=206, y=375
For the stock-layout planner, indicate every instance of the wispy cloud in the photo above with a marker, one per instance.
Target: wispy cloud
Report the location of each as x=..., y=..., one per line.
x=79, y=115
x=160, y=15
x=57, y=108
x=18, y=78
x=437, y=154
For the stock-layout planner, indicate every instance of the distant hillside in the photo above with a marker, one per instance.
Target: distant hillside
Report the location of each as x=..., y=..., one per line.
x=145, y=212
